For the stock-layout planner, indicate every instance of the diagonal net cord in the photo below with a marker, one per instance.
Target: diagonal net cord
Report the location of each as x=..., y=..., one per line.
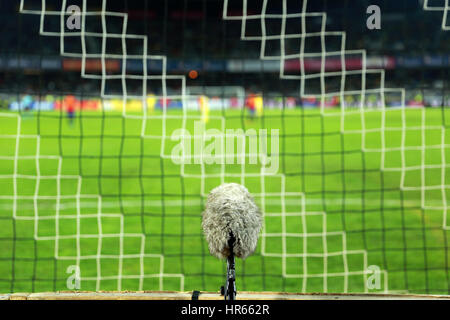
x=76, y=218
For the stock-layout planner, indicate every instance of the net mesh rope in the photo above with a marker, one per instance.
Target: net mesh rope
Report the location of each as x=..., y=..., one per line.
x=140, y=255
x=292, y=204
x=439, y=6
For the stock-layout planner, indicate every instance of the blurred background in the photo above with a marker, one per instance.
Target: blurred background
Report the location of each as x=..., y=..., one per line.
x=209, y=52
x=87, y=178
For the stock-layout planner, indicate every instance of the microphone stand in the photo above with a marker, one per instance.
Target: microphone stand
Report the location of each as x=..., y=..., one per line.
x=230, y=287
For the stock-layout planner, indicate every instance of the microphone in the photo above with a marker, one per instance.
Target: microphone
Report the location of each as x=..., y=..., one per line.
x=231, y=224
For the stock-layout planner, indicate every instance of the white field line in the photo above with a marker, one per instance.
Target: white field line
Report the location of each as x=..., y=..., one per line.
x=198, y=203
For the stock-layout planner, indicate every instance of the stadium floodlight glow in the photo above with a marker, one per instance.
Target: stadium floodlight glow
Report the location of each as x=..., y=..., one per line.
x=231, y=223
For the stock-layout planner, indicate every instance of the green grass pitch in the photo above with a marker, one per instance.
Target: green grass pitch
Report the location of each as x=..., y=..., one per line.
x=357, y=193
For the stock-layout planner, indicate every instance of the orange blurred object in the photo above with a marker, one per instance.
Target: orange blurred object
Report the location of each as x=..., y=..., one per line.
x=193, y=74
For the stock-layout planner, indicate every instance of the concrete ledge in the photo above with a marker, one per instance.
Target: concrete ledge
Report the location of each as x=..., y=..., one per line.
x=173, y=295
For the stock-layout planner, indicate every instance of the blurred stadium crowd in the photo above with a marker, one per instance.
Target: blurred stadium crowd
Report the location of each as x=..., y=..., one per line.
x=410, y=46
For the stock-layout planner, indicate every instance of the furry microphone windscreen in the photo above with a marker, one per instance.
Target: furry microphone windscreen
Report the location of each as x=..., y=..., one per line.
x=230, y=209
